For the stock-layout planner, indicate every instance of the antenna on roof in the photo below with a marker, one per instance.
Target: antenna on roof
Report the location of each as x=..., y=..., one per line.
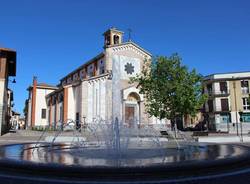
x=129, y=34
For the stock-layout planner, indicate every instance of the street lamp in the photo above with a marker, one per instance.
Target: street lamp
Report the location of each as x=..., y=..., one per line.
x=236, y=109
x=84, y=123
x=13, y=81
x=241, y=136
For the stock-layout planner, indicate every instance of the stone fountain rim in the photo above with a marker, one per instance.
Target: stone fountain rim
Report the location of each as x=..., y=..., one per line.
x=100, y=173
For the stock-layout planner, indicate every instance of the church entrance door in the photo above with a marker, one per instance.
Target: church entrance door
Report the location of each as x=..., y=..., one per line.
x=129, y=115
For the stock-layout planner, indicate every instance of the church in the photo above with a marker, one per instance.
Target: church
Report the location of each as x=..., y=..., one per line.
x=97, y=90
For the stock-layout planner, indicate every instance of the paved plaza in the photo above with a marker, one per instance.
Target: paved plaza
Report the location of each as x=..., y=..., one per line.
x=21, y=136
x=28, y=136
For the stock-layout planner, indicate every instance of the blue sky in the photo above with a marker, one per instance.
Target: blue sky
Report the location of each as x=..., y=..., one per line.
x=54, y=37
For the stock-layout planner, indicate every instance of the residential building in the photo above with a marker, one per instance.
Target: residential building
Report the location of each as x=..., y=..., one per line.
x=97, y=90
x=7, y=69
x=10, y=104
x=37, y=105
x=21, y=123
x=14, y=120
x=228, y=107
x=17, y=121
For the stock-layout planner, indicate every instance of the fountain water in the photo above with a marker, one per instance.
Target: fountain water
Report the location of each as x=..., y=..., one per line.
x=111, y=152
x=116, y=138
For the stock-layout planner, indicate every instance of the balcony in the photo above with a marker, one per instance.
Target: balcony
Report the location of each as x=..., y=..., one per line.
x=245, y=91
x=221, y=110
x=218, y=93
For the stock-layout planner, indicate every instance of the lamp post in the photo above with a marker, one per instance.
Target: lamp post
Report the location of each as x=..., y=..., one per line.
x=241, y=136
x=13, y=81
x=84, y=123
x=227, y=126
x=236, y=109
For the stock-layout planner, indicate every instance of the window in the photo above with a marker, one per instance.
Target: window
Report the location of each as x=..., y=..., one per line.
x=81, y=74
x=209, y=88
x=244, y=87
x=116, y=39
x=223, y=87
x=69, y=80
x=107, y=40
x=225, y=117
x=102, y=71
x=101, y=67
x=61, y=113
x=224, y=104
x=90, y=70
x=245, y=117
x=246, y=104
x=60, y=97
x=64, y=82
x=210, y=105
x=75, y=77
x=43, y=113
x=54, y=100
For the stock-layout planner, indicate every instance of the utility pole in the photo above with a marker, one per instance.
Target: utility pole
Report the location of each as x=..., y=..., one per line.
x=236, y=108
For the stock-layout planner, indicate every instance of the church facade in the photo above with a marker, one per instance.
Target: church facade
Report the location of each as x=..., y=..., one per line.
x=97, y=90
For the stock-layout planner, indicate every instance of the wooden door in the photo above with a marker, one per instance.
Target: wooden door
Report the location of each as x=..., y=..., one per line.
x=129, y=115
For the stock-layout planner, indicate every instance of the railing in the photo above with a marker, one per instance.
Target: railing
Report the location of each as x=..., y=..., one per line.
x=220, y=109
x=244, y=90
x=217, y=92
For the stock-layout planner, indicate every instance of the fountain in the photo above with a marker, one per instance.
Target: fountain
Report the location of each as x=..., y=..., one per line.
x=111, y=152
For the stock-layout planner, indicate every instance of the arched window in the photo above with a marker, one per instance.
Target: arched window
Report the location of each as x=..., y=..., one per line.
x=134, y=97
x=107, y=40
x=116, y=39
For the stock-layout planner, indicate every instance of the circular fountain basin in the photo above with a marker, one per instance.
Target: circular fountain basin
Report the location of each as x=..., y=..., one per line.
x=61, y=163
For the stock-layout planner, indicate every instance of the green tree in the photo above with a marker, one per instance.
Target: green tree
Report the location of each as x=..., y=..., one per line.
x=170, y=89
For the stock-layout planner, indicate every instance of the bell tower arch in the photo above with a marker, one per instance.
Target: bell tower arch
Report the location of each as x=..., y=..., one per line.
x=112, y=37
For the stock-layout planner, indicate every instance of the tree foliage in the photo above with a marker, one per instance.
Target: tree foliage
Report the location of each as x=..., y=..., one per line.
x=170, y=89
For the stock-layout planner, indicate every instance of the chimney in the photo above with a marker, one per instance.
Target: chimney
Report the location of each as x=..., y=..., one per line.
x=33, y=105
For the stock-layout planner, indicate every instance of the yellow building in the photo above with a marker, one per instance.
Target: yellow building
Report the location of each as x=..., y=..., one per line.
x=228, y=107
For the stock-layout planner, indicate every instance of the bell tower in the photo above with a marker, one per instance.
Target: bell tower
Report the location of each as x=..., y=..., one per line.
x=112, y=37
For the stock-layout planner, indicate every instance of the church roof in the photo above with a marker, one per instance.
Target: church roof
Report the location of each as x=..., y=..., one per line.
x=113, y=29
x=100, y=55
x=133, y=43
x=85, y=64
